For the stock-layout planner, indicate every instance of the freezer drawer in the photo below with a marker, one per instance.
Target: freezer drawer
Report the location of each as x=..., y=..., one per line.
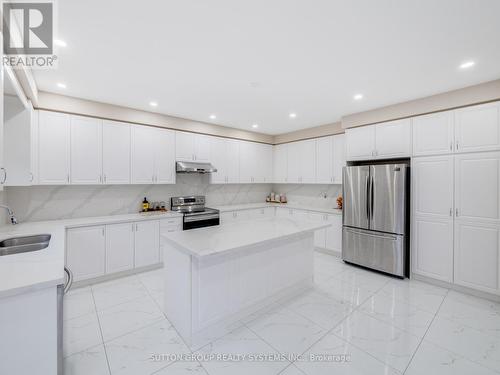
x=380, y=251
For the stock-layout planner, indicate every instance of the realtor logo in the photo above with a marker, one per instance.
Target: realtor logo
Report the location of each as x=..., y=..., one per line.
x=28, y=28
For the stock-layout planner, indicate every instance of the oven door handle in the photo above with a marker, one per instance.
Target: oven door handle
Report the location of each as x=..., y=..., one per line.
x=190, y=219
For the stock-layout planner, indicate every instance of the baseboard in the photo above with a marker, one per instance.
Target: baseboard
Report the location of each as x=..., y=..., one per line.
x=337, y=254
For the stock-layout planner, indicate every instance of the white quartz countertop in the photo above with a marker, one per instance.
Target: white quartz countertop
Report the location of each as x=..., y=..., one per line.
x=23, y=272
x=249, y=206
x=233, y=236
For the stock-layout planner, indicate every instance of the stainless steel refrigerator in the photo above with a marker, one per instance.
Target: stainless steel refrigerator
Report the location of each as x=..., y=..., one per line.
x=374, y=232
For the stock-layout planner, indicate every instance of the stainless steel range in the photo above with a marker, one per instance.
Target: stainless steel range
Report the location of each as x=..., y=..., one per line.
x=196, y=215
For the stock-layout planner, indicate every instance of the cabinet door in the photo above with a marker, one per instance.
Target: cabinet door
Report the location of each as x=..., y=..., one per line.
x=265, y=166
x=324, y=160
x=227, y=217
x=184, y=146
x=432, y=186
x=432, y=247
x=477, y=258
x=85, y=252
x=164, y=141
x=201, y=148
x=477, y=186
x=248, y=162
x=232, y=161
x=360, y=143
x=119, y=247
x=393, y=139
x=280, y=166
x=477, y=128
x=86, y=151
x=334, y=233
x=53, y=148
x=142, y=155
x=147, y=243
x=294, y=163
x=308, y=161
x=433, y=134
x=220, y=159
x=320, y=234
x=338, y=157
x=115, y=152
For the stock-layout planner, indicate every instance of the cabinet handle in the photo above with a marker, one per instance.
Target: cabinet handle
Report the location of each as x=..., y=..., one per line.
x=100, y=179
x=4, y=175
x=457, y=145
x=31, y=177
x=104, y=178
x=456, y=212
x=451, y=146
x=451, y=211
x=67, y=178
x=103, y=232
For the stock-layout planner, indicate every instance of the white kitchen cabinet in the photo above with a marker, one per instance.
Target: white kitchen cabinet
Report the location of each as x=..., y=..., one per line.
x=280, y=165
x=324, y=160
x=119, y=247
x=147, y=243
x=294, y=163
x=477, y=128
x=393, y=139
x=320, y=234
x=477, y=186
x=142, y=155
x=333, y=233
x=255, y=161
x=302, y=162
x=192, y=147
x=432, y=186
x=360, y=143
x=164, y=156
x=338, y=158
x=85, y=252
x=116, y=152
x=224, y=155
x=86, y=150
x=54, y=148
x=265, y=163
x=433, y=134
x=477, y=258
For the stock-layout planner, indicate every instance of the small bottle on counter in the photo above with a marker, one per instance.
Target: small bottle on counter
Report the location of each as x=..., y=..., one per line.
x=145, y=205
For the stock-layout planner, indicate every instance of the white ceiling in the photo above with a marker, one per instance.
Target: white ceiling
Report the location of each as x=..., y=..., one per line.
x=256, y=61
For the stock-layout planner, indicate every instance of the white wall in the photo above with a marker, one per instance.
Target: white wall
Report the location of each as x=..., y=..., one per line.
x=36, y=203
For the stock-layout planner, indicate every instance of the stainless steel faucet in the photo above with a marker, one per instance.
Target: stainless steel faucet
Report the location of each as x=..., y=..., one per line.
x=12, y=218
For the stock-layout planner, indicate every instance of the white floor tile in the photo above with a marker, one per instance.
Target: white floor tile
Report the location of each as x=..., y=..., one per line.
x=241, y=344
x=468, y=342
x=345, y=291
x=115, y=292
x=89, y=362
x=128, y=316
x=81, y=333
x=322, y=310
x=78, y=302
x=140, y=352
x=362, y=278
x=398, y=313
x=433, y=360
x=182, y=368
x=474, y=312
x=385, y=342
x=424, y=296
x=292, y=370
x=332, y=355
x=287, y=331
x=153, y=280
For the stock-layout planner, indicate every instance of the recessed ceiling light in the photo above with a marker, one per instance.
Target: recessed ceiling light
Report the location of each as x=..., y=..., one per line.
x=60, y=43
x=213, y=117
x=358, y=97
x=292, y=115
x=467, y=65
x=153, y=104
x=255, y=126
x=61, y=85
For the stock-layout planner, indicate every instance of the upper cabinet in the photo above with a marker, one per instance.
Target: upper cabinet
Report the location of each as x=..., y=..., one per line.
x=360, y=143
x=86, y=150
x=433, y=134
x=324, y=160
x=115, y=152
x=54, y=141
x=192, y=147
x=164, y=156
x=224, y=155
x=338, y=157
x=256, y=162
x=280, y=163
x=302, y=162
x=477, y=128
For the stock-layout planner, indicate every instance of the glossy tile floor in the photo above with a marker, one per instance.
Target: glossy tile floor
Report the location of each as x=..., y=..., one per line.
x=353, y=322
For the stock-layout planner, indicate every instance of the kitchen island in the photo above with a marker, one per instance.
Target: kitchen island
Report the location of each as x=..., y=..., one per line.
x=218, y=275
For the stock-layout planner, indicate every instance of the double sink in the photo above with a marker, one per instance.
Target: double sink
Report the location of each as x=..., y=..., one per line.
x=25, y=244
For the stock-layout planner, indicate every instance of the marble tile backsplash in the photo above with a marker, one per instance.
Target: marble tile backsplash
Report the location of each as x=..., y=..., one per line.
x=34, y=203
x=311, y=195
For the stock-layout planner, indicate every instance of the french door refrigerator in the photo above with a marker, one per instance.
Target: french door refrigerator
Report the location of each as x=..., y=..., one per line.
x=375, y=217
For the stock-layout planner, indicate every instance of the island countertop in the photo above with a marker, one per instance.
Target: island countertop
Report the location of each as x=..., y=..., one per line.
x=233, y=236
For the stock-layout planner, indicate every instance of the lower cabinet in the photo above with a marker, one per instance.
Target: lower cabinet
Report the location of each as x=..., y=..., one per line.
x=86, y=252
x=119, y=247
x=147, y=243
x=329, y=238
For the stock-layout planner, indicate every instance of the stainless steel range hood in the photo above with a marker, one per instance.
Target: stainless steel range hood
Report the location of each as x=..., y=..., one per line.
x=193, y=167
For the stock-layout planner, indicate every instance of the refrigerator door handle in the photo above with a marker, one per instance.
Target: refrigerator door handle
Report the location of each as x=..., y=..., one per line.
x=372, y=196
x=373, y=235
x=367, y=183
